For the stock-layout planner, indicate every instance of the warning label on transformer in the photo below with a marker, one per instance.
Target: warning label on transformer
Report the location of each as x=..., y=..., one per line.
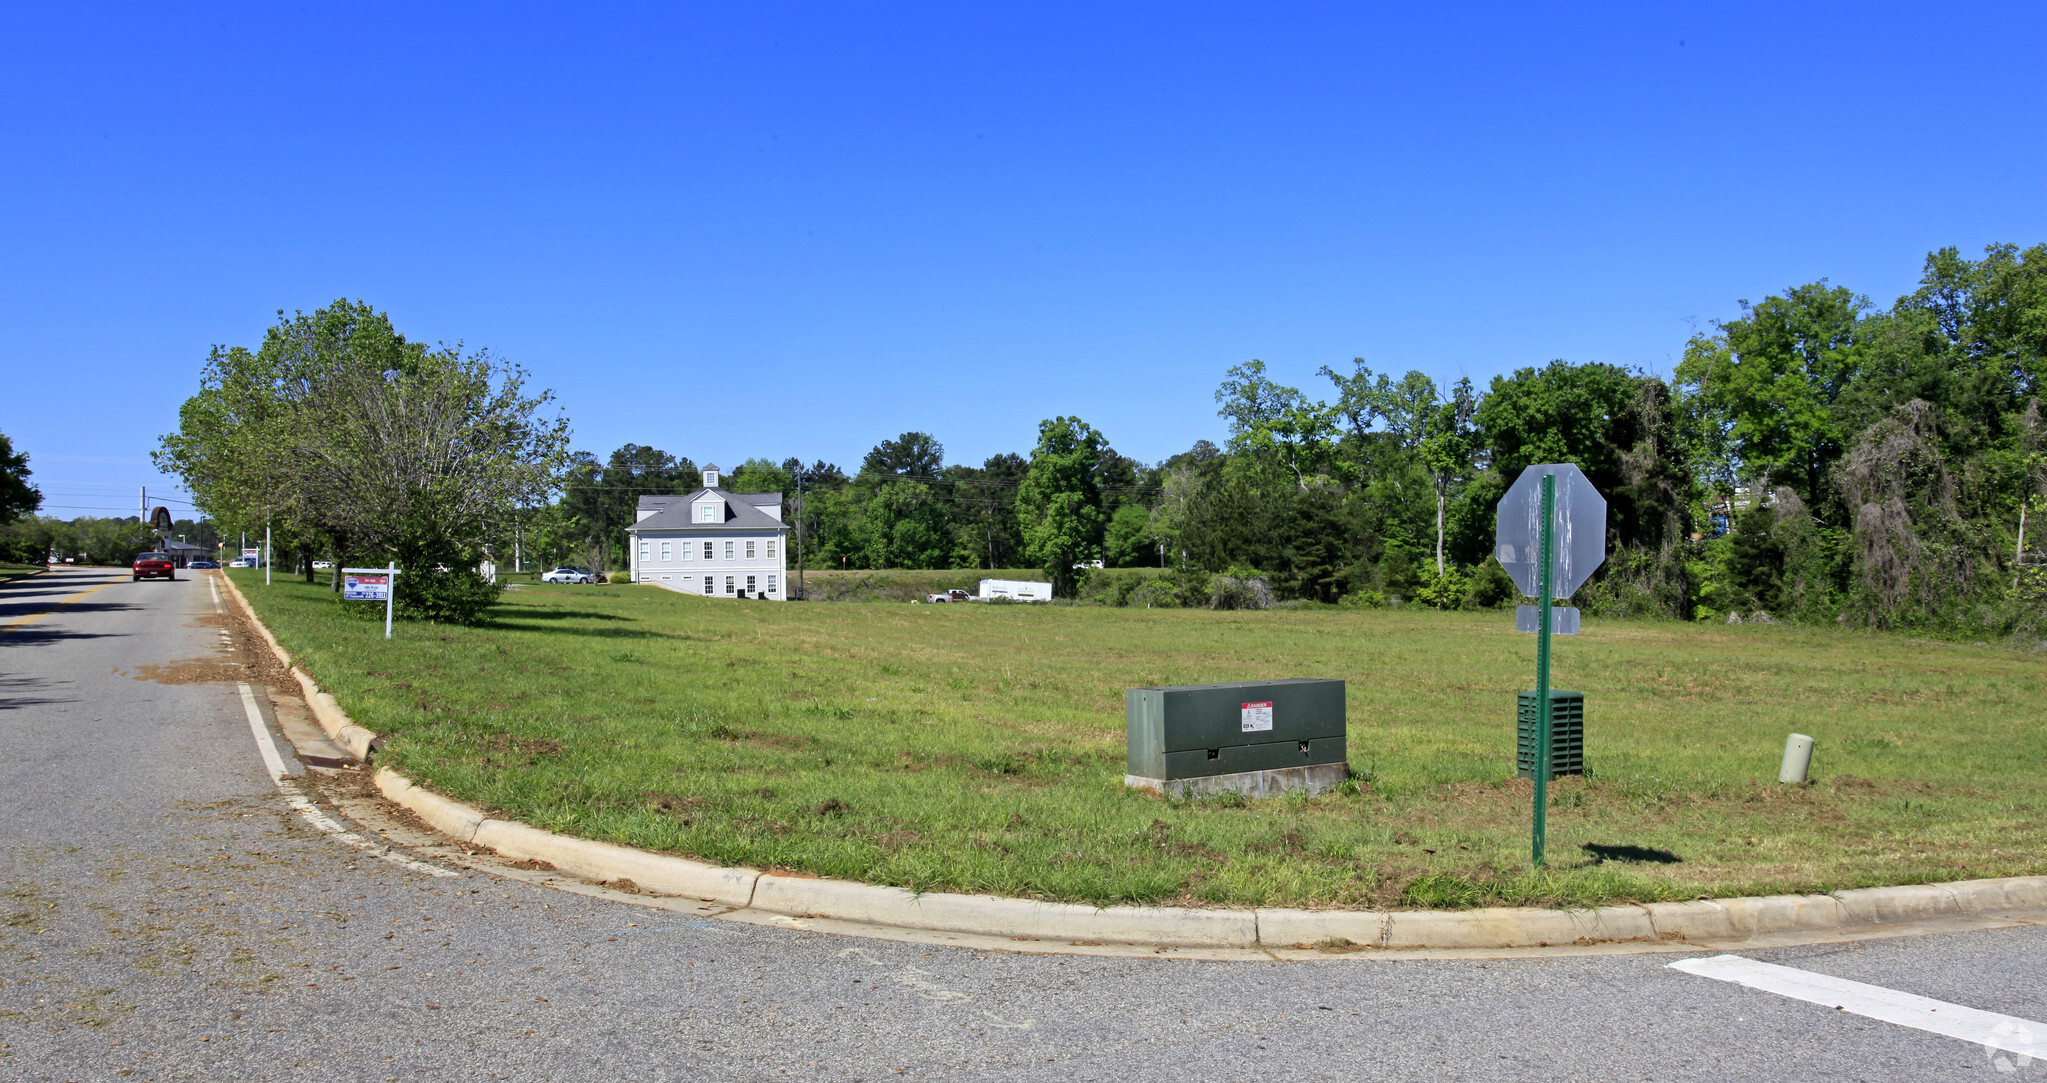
x=1257, y=716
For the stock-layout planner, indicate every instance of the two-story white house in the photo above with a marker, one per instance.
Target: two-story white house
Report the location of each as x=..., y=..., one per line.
x=711, y=542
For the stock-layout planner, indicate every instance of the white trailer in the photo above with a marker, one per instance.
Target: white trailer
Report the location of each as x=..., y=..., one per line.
x=1015, y=590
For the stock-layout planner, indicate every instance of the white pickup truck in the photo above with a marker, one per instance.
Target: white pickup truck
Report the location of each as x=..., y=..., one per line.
x=949, y=596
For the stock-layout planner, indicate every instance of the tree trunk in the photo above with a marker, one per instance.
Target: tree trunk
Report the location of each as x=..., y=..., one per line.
x=1439, y=532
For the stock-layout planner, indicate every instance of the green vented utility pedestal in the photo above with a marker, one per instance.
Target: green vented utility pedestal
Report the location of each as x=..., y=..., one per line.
x=1566, y=735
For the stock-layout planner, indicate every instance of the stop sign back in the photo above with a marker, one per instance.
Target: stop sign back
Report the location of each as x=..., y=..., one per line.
x=1579, y=519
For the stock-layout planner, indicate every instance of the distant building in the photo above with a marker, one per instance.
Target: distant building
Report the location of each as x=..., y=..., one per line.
x=712, y=542
x=183, y=553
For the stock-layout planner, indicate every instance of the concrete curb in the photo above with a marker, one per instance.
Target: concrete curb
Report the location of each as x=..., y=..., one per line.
x=798, y=896
x=25, y=577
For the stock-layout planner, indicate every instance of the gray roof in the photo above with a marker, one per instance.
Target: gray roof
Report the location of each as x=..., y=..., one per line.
x=742, y=512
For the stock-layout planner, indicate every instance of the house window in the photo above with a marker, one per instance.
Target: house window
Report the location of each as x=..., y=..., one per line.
x=664, y=550
x=687, y=548
x=771, y=583
x=728, y=550
x=728, y=584
x=749, y=550
x=771, y=552
x=643, y=548
x=707, y=550
x=750, y=588
x=707, y=513
x=707, y=585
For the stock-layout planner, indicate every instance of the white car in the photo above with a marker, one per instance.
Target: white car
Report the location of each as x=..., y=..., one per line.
x=241, y=562
x=567, y=574
x=322, y=565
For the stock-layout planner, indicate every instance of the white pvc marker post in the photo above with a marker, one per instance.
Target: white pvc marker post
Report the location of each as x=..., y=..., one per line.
x=268, y=554
x=372, y=585
x=1797, y=759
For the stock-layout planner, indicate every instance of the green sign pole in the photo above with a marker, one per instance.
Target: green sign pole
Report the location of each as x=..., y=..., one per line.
x=1543, y=756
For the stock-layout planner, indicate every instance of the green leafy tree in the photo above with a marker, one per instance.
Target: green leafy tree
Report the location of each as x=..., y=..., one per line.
x=17, y=496
x=985, y=529
x=1059, y=505
x=904, y=527
x=341, y=429
x=605, y=496
x=759, y=475
x=1128, y=543
x=1447, y=446
x=1775, y=376
x=1274, y=424
x=912, y=455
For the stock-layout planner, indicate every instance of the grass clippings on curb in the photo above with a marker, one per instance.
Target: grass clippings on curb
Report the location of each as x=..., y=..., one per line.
x=980, y=748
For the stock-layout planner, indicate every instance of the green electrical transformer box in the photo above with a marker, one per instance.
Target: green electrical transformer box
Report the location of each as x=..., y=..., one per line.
x=1251, y=737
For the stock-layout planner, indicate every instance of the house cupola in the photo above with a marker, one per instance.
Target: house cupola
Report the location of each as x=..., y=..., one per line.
x=710, y=476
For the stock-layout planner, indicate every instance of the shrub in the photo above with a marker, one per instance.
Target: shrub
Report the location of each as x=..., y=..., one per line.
x=1488, y=587
x=1239, y=592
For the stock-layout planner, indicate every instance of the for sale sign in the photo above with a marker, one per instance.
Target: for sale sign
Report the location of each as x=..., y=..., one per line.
x=365, y=587
x=1257, y=716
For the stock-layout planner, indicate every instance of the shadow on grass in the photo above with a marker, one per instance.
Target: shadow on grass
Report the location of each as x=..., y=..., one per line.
x=529, y=612
x=597, y=633
x=1601, y=853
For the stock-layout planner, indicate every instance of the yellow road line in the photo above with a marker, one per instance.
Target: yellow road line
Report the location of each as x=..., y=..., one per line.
x=13, y=624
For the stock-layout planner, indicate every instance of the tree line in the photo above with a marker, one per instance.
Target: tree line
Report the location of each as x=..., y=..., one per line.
x=1815, y=458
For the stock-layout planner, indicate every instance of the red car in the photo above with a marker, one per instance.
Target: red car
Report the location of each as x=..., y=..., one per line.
x=155, y=565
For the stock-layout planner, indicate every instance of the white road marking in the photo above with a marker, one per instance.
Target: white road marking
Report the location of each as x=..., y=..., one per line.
x=215, y=584
x=273, y=762
x=1987, y=1029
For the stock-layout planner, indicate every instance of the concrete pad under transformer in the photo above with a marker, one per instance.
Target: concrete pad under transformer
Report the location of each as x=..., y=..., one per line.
x=1314, y=779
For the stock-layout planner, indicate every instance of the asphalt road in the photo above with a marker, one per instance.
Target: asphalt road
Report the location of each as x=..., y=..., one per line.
x=163, y=915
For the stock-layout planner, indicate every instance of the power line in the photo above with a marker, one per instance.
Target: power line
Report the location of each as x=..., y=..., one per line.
x=86, y=507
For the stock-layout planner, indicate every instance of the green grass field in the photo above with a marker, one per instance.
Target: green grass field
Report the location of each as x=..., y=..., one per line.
x=980, y=748
x=16, y=571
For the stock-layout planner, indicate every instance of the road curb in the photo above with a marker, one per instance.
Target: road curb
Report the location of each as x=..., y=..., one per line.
x=798, y=896
x=25, y=577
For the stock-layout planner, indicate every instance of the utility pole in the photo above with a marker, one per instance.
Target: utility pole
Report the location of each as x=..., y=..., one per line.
x=799, y=529
x=143, y=513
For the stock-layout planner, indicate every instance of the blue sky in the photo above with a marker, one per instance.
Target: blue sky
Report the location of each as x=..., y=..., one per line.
x=797, y=229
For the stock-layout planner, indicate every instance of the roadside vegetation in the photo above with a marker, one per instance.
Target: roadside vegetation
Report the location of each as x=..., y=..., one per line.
x=1816, y=457
x=981, y=748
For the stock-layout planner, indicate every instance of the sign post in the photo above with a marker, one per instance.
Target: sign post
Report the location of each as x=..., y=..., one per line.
x=371, y=585
x=1543, y=719
x=1551, y=532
